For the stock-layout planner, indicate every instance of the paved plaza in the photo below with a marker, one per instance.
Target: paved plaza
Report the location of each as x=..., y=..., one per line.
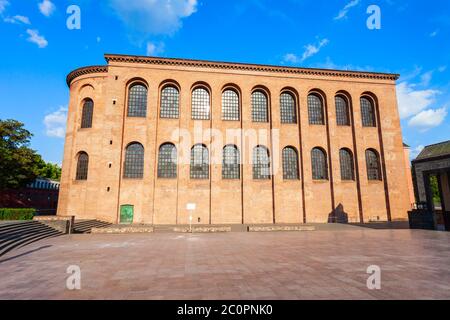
x=327, y=264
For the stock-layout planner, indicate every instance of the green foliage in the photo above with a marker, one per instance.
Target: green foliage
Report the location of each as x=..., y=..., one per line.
x=17, y=214
x=50, y=171
x=435, y=189
x=19, y=164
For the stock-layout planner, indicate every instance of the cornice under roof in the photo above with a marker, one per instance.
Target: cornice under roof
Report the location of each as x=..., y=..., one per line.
x=248, y=67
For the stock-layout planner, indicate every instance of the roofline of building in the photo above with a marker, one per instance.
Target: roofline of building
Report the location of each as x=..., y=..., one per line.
x=229, y=66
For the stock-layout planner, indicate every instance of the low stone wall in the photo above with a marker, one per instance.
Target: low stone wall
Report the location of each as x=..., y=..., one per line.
x=280, y=228
x=422, y=219
x=202, y=229
x=119, y=229
x=65, y=224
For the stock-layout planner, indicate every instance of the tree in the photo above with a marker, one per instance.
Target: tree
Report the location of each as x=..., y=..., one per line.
x=50, y=171
x=19, y=164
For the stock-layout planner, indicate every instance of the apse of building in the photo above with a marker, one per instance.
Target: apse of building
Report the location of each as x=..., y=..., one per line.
x=328, y=144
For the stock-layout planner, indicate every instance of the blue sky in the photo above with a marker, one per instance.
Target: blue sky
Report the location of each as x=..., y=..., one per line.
x=39, y=50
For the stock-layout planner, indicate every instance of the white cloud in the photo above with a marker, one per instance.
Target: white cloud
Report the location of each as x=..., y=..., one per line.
x=47, y=8
x=415, y=152
x=428, y=119
x=343, y=13
x=291, y=58
x=154, y=49
x=34, y=37
x=55, y=123
x=442, y=68
x=3, y=5
x=312, y=49
x=153, y=16
x=411, y=101
x=434, y=33
x=18, y=19
x=426, y=78
x=99, y=39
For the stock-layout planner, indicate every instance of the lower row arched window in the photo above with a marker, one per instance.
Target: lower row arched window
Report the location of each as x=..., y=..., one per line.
x=347, y=167
x=290, y=164
x=373, y=165
x=82, y=166
x=167, y=161
x=261, y=163
x=199, y=162
x=231, y=167
x=319, y=164
x=134, y=161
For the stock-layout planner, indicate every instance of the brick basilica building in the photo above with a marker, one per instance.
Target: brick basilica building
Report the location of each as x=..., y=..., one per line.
x=245, y=143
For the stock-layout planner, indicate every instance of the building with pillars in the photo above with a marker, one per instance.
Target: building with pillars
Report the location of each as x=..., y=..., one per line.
x=245, y=143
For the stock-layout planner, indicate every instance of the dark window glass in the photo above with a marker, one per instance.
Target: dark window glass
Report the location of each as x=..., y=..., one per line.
x=137, y=101
x=199, y=162
x=342, y=114
x=288, y=108
x=134, y=161
x=261, y=163
x=367, y=113
x=373, y=165
x=346, y=161
x=315, y=110
x=290, y=164
x=88, y=110
x=167, y=161
x=82, y=166
x=231, y=163
x=170, y=102
x=230, y=105
x=201, y=105
x=319, y=164
x=259, y=107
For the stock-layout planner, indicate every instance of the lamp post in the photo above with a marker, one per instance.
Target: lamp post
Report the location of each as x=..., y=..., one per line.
x=191, y=207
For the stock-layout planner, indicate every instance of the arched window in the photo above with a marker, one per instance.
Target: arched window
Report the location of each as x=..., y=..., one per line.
x=86, y=117
x=137, y=101
x=373, y=165
x=167, y=161
x=259, y=107
x=347, y=168
x=288, y=108
x=134, y=161
x=319, y=164
x=231, y=163
x=290, y=164
x=367, y=113
x=201, y=104
x=261, y=163
x=170, y=103
x=199, y=162
x=342, y=114
x=82, y=166
x=230, y=105
x=315, y=109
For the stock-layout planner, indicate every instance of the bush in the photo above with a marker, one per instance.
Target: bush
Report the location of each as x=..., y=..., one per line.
x=17, y=214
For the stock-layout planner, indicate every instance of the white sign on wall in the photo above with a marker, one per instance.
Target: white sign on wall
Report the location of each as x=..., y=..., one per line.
x=191, y=206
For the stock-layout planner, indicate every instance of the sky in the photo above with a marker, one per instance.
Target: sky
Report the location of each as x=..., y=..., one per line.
x=43, y=40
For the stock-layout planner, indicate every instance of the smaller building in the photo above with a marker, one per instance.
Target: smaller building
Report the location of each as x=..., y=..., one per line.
x=41, y=195
x=433, y=163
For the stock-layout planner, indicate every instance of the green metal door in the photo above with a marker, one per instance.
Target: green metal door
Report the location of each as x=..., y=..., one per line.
x=126, y=214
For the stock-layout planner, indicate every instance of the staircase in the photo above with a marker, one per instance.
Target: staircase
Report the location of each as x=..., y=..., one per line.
x=18, y=234
x=85, y=226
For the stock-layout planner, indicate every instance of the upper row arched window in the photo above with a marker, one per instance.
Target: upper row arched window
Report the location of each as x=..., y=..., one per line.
x=137, y=100
x=170, y=102
x=260, y=107
x=87, y=114
x=201, y=104
x=288, y=108
x=367, y=112
x=315, y=110
x=230, y=105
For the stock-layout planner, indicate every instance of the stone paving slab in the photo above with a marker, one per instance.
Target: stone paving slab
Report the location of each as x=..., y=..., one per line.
x=239, y=266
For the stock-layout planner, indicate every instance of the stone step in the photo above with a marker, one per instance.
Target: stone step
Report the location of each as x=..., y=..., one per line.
x=122, y=229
